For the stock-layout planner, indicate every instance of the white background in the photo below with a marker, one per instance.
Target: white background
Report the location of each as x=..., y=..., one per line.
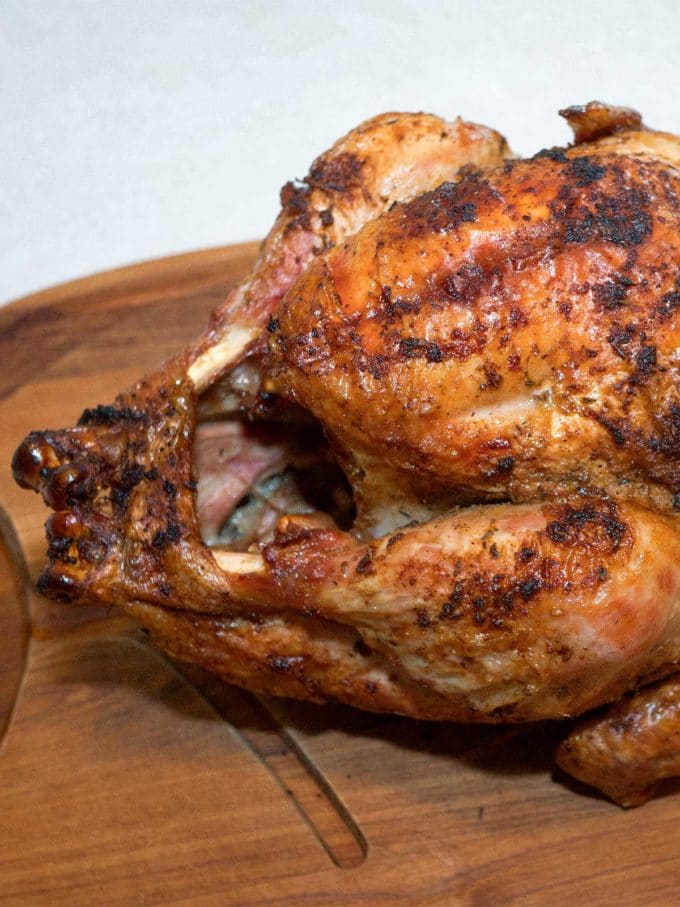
x=139, y=128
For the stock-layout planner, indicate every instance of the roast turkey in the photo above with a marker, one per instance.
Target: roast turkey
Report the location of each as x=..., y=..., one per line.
x=426, y=457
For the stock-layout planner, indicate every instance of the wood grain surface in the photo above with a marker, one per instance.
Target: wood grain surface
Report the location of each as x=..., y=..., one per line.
x=126, y=779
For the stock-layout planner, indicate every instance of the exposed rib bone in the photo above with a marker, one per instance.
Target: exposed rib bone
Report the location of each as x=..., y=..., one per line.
x=227, y=351
x=236, y=562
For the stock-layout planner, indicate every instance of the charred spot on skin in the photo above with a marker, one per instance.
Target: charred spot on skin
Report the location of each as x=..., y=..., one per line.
x=670, y=301
x=58, y=550
x=676, y=502
x=612, y=293
x=294, y=197
x=505, y=464
x=585, y=171
x=416, y=347
x=164, y=537
x=493, y=379
x=490, y=598
x=621, y=216
x=553, y=154
x=452, y=609
x=283, y=663
x=131, y=475
x=365, y=565
x=517, y=318
x=111, y=415
x=460, y=346
x=619, y=338
x=669, y=443
x=618, y=228
x=645, y=361
x=466, y=284
x=530, y=587
x=326, y=217
x=385, y=298
x=377, y=366
x=514, y=362
x=593, y=525
x=272, y=324
x=617, y=432
x=394, y=307
x=445, y=208
x=169, y=488
x=423, y=618
x=493, y=551
x=339, y=173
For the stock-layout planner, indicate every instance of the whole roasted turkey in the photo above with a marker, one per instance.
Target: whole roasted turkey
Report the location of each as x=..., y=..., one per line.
x=426, y=457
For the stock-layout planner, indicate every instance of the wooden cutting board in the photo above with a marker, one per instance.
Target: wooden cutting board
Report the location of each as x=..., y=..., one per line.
x=126, y=779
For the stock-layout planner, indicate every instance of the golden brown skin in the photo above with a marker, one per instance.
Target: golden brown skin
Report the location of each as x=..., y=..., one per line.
x=499, y=613
x=496, y=365
x=635, y=745
x=523, y=317
x=596, y=120
x=391, y=157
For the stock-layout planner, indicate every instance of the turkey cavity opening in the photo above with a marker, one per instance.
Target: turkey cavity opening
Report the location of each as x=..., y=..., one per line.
x=250, y=474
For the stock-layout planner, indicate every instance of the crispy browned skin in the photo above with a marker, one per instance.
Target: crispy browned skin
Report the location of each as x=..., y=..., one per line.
x=473, y=343
x=503, y=613
x=633, y=747
x=596, y=120
x=496, y=365
x=391, y=157
x=511, y=612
